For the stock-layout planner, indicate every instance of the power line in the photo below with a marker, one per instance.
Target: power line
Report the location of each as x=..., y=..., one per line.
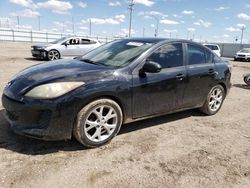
x=130, y=8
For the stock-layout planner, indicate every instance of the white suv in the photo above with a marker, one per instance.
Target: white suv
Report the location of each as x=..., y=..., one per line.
x=215, y=48
x=64, y=47
x=243, y=54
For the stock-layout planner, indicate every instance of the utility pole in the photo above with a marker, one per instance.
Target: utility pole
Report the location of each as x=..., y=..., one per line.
x=18, y=22
x=130, y=8
x=242, y=32
x=39, y=23
x=157, y=25
x=90, y=27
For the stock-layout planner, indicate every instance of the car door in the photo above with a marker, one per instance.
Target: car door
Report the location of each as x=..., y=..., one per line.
x=85, y=46
x=200, y=75
x=155, y=93
x=71, y=47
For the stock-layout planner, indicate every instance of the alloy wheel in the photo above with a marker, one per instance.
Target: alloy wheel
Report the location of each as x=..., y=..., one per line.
x=100, y=123
x=215, y=99
x=53, y=55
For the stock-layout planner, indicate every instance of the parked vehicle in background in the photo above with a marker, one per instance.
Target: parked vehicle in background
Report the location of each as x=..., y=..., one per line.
x=215, y=48
x=64, y=47
x=123, y=81
x=247, y=78
x=242, y=55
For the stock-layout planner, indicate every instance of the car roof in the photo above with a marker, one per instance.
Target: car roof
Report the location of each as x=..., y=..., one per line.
x=211, y=44
x=158, y=40
x=72, y=37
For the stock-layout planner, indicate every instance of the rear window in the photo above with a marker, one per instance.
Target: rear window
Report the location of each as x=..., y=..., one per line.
x=212, y=47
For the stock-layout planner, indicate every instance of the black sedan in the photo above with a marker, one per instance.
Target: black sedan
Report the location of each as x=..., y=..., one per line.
x=120, y=82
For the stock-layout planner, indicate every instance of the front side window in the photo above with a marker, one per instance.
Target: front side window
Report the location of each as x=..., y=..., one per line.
x=170, y=55
x=74, y=41
x=196, y=55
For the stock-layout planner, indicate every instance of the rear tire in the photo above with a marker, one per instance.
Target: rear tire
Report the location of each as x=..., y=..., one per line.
x=98, y=122
x=214, y=100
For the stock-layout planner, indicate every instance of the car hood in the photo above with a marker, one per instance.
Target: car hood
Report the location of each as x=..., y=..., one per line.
x=44, y=45
x=60, y=70
x=242, y=53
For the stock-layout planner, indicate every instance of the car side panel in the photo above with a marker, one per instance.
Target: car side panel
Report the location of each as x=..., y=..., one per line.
x=200, y=79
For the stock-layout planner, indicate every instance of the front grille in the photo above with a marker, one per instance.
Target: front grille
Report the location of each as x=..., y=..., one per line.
x=242, y=55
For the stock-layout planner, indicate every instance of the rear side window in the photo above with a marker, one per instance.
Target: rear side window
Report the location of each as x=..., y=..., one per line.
x=85, y=41
x=92, y=42
x=196, y=55
x=170, y=55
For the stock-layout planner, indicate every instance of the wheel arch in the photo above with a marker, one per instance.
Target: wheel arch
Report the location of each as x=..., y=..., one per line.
x=111, y=97
x=115, y=99
x=54, y=50
x=224, y=87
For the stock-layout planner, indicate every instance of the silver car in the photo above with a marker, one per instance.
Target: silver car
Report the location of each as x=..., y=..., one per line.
x=64, y=47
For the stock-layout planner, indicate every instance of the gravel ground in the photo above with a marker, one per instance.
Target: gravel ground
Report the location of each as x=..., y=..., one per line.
x=185, y=149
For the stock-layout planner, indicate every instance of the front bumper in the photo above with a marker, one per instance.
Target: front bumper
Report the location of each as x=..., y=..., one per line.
x=242, y=58
x=42, y=54
x=41, y=121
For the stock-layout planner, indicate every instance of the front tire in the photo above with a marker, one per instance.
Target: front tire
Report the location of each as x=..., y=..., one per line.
x=214, y=100
x=53, y=55
x=247, y=80
x=98, y=122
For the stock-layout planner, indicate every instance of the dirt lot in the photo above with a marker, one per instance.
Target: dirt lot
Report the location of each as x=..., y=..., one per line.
x=185, y=149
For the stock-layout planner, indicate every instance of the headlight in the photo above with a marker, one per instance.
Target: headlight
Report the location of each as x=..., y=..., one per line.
x=40, y=48
x=53, y=90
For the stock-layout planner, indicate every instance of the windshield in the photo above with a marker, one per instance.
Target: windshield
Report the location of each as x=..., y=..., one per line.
x=58, y=40
x=118, y=53
x=245, y=50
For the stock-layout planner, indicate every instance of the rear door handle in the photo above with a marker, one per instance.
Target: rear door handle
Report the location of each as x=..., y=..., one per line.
x=180, y=76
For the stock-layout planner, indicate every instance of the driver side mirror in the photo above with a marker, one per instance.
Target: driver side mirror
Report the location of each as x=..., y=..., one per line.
x=151, y=67
x=65, y=43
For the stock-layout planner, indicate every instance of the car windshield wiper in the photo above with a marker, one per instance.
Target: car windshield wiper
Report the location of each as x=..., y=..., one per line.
x=90, y=61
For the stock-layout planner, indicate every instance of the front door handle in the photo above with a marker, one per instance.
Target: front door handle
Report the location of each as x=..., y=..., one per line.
x=180, y=76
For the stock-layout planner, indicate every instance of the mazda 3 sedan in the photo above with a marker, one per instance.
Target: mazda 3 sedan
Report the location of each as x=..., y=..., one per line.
x=127, y=80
